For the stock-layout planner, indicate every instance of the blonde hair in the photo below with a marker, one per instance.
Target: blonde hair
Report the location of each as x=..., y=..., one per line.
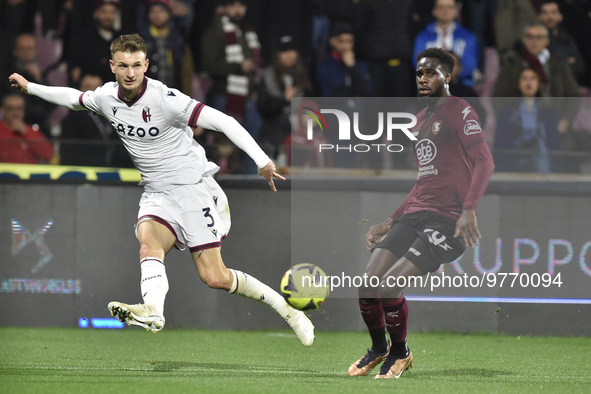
x=128, y=43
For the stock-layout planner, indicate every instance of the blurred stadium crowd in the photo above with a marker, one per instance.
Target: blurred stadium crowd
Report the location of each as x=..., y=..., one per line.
x=251, y=58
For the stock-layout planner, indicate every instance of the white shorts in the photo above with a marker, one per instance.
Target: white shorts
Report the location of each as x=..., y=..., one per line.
x=197, y=215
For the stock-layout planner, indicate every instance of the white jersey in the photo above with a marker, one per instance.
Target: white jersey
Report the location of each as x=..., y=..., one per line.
x=156, y=131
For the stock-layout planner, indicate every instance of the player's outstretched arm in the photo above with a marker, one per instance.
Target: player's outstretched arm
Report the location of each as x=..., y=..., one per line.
x=269, y=172
x=213, y=119
x=62, y=96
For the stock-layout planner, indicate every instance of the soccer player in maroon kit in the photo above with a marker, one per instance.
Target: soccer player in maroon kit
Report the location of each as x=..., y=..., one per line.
x=435, y=223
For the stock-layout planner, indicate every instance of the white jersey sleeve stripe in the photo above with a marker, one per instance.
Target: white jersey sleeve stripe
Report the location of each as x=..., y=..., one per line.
x=81, y=101
x=195, y=115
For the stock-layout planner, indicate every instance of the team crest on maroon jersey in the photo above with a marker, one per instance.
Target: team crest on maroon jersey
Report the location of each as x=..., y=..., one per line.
x=436, y=126
x=146, y=114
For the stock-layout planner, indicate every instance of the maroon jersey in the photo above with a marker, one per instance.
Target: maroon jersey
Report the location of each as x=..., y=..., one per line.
x=453, y=161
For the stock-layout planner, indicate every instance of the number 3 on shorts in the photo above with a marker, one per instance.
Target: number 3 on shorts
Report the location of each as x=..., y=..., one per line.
x=208, y=215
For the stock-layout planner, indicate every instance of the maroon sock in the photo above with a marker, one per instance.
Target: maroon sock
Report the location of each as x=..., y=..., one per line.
x=373, y=316
x=396, y=319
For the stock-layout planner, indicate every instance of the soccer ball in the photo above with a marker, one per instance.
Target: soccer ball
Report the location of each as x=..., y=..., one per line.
x=305, y=286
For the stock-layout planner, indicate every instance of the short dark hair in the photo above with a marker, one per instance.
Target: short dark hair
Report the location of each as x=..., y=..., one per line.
x=230, y=2
x=446, y=60
x=10, y=96
x=340, y=27
x=542, y=2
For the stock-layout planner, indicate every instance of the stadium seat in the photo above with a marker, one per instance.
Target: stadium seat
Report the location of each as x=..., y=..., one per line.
x=200, y=86
x=49, y=50
x=58, y=75
x=583, y=119
x=491, y=70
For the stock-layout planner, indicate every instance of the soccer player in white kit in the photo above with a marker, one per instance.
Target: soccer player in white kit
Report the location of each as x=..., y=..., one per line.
x=182, y=205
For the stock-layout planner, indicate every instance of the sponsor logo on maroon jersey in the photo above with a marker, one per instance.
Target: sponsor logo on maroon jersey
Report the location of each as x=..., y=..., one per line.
x=472, y=127
x=426, y=151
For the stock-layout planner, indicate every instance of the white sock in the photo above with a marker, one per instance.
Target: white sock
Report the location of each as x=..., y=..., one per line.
x=154, y=283
x=250, y=287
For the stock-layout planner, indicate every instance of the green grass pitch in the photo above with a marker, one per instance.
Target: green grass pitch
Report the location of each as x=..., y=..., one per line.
x=73, y=360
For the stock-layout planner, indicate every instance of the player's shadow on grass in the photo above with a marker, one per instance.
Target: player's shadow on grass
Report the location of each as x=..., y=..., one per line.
x=479, y=372
x=172, y=366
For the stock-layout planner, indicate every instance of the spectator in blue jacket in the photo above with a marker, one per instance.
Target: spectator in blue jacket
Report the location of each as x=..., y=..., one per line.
x=340, y=74
x=446, y=33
